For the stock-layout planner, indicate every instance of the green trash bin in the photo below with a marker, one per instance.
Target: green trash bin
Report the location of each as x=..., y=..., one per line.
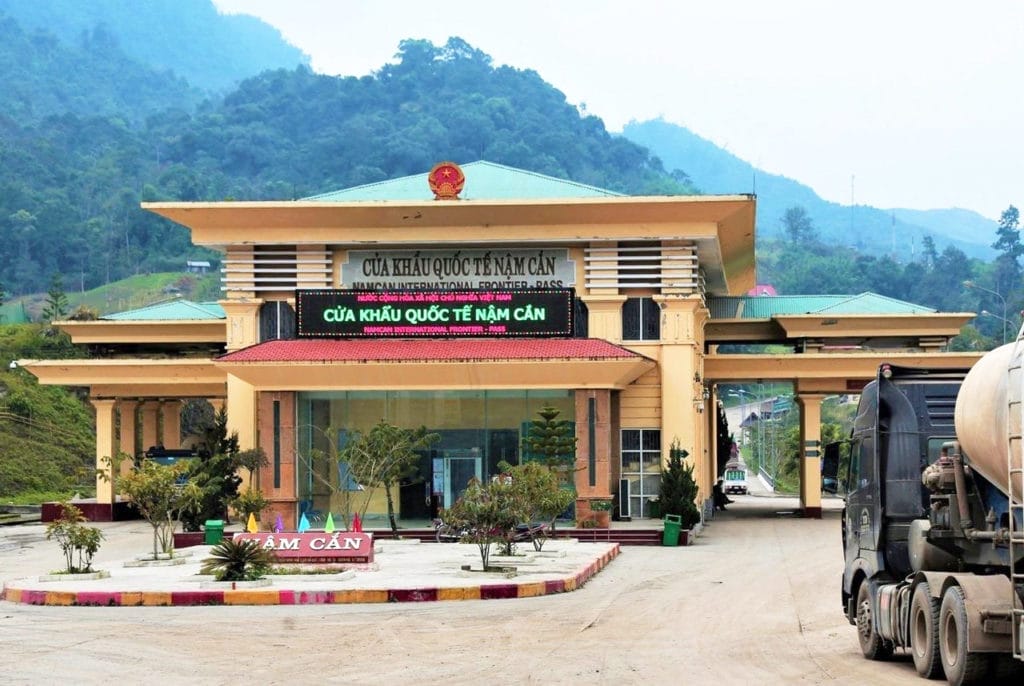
x=673, y=525
x=214, y=531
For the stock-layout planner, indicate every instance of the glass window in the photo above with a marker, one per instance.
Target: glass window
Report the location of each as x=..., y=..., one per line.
x=641, y=467
x=477, y=431
x=935, y=447
x=641, y=320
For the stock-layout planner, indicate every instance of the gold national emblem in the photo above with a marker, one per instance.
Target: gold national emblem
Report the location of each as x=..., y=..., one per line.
x=446, y=180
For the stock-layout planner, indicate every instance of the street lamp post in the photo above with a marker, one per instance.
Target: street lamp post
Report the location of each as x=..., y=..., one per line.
x=739, y=393
x=971, y=284
x=762, y=454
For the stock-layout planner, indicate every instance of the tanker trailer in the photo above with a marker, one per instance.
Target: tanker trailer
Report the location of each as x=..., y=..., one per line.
x=932, y=524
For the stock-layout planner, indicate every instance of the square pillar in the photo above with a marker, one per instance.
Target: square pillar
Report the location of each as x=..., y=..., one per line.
x=593, y=468
x=127, y=410
x=105, y=408
x=241, y=404
x=810, y=453
x=170, y=411
x=604, y=316
x=277, y=478
x=681, y=366
x=243, y=322
x=150, y=424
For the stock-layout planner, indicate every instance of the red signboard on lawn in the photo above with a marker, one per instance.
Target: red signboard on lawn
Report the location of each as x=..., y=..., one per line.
x=315, y=546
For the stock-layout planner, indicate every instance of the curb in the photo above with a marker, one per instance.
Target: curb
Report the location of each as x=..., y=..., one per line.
x=320, y=597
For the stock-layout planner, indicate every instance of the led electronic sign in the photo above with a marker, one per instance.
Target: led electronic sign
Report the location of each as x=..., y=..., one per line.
x=435, y=314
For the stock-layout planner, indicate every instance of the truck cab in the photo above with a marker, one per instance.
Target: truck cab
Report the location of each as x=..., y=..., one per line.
x=904, y=417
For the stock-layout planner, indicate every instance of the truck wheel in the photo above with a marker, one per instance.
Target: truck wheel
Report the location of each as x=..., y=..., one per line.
x=872, y=645
x=961, y=666
x=924, y=632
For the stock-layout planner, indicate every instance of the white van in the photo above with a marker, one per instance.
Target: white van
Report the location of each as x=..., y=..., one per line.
x=735, y=480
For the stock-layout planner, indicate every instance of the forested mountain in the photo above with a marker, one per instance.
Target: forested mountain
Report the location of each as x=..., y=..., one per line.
x=868, y=229
x=43, y=76
x=188, y=37
x=70, y=185
x=71, y=182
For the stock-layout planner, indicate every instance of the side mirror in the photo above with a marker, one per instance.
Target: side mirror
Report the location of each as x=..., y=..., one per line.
x=830, y=468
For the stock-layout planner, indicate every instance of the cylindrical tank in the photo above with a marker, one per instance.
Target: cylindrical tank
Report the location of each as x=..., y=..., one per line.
x=985, y=417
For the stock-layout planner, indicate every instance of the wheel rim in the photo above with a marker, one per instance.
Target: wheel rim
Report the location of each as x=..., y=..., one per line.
x=864, y=625
x=919, y=632
x=950, y=640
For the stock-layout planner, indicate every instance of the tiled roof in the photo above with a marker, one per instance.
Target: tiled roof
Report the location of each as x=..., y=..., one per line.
x=766, y=307
x=484, y=181
x=170, y=310
x=429, y=350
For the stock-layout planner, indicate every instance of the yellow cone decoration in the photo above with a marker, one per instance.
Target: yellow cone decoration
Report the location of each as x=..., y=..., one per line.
x=251, y=526
x=329, y=524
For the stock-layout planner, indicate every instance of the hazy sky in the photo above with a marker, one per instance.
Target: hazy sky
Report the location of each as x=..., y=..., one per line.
x=893, y=103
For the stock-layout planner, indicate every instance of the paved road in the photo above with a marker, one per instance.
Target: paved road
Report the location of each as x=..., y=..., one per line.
x=755, y=601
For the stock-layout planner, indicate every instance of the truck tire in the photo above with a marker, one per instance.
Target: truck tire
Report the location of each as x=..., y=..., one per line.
x=872, y=645
x=924, y=632
x=961, y=666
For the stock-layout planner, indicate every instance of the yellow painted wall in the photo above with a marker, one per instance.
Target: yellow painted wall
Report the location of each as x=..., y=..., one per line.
x=640, y=403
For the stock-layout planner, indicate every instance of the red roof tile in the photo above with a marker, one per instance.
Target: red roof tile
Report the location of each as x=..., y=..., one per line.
x=427, y=350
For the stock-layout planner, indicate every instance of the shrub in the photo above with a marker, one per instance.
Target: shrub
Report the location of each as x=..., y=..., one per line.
x=76, y=540
x=232, y=560
x=679, y=489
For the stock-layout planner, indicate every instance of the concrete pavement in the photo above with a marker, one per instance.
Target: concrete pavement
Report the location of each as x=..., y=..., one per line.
x=402, y=571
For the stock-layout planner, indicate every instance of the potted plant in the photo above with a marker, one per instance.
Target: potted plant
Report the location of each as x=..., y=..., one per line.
x=602, y=509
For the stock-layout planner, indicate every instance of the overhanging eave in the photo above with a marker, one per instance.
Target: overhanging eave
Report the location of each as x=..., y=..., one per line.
x=450, y=375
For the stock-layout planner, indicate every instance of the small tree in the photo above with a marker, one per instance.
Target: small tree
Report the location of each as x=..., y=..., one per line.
x=215, y=473
x=76, y=540
x=156, y=492
x=540, y=495
x=679, y=489
x=384, y=456
x=489, y=514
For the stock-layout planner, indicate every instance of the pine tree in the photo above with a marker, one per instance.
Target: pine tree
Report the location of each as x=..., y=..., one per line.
x=551, y=439
x=679, y=488
x=56, y=300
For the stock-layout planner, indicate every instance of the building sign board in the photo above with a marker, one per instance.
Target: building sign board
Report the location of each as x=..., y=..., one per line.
x=315, y=546
x=436, y=314
x=458, y=269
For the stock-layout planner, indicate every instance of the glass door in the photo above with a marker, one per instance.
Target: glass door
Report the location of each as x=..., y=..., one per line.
x=641, y=466
x=457, y=473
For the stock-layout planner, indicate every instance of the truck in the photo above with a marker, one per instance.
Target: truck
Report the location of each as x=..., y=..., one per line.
x=932, y=525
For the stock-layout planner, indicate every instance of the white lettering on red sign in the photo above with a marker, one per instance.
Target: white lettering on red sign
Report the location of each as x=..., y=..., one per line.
x=343, y=546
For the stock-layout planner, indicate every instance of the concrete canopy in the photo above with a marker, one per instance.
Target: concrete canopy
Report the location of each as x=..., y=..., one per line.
x=135, y=378
x=721, y=228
